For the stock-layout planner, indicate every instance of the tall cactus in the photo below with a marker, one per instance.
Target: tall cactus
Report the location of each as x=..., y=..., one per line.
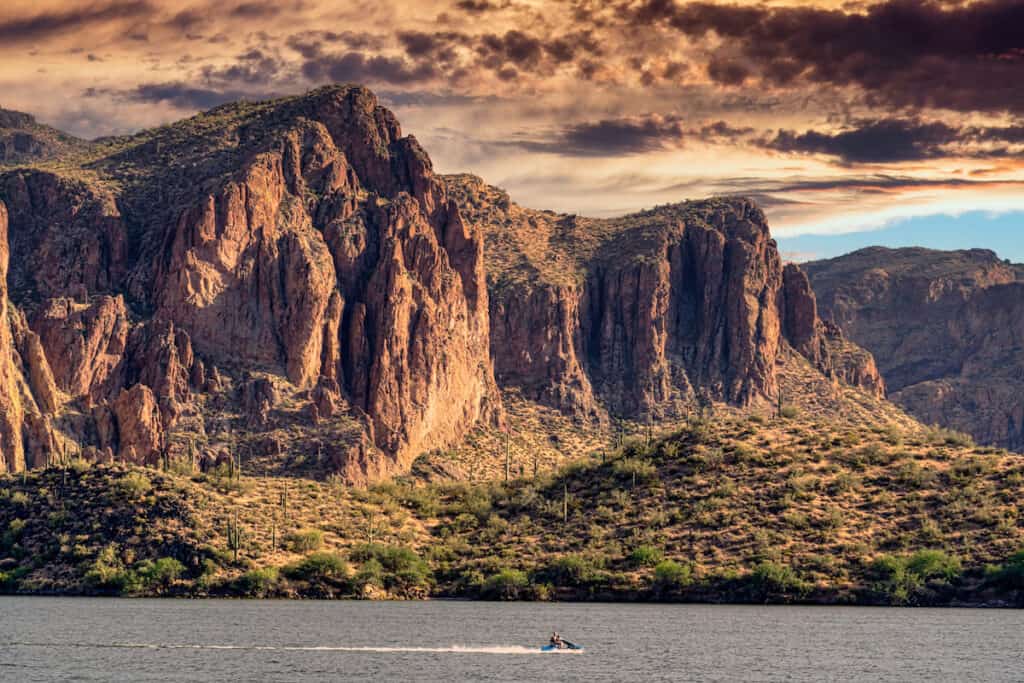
x=235, y=536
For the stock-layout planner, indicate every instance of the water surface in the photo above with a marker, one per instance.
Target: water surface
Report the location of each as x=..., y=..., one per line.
x=82, y=639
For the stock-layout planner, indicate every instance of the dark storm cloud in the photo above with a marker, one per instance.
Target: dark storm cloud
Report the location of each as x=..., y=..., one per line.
x=872, y=142
x=311, y=44
x=964, y=56
x=628, y=135
x=180, y=95
x=899, y=140
x=359, y=67
x=874, y=184
x=479, y=6
x=517, y=47
x=254, y=67
x=631, y=135
x=256, y=10
x=46, y=24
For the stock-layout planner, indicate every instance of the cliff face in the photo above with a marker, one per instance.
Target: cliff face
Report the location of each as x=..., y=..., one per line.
x=290, y=283
x=645, y=315
x=28, y=394
x=308, y=238
x=947, y=329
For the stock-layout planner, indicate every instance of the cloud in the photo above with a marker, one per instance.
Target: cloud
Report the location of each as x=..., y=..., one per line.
x=47, y=24
x=881, y=141
x=254, y=67
x=629, y=135
x=356, y=66
x=918, y=53
x=899, y=140
x=180, y=95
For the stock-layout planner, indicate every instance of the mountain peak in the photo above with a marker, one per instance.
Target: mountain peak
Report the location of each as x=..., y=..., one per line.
x=15, y=119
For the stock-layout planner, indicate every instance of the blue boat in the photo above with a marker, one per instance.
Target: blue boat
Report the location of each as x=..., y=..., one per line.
x=564, y=646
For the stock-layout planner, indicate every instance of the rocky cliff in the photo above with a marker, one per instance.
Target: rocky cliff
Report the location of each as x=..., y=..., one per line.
x=304, y=240
x=290, y=284
x=648, y=314
x=947, y=329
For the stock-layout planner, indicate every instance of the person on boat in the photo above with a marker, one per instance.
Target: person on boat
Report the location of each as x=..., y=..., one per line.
x=556, y=640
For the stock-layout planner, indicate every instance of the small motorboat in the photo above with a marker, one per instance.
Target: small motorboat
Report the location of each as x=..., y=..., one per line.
x=562, y=646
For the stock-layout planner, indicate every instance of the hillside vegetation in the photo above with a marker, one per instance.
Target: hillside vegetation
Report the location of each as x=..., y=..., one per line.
x=729, y=508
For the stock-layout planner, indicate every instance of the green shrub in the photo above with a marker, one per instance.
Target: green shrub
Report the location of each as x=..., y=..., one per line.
x=670, y=576
x=317, y=567
x=108, y=572
x=770, y=578
x=258, y=583
x=789, y=411
x=1011, y=574
x=305, y=541
x=134, y=485
x=627, y=468
x=397, y=568
x=645, y=556
x=507, y=584
x=934, y=564
x=14, y=531
x=571, y=570
x=161, y=573
x=902, y=578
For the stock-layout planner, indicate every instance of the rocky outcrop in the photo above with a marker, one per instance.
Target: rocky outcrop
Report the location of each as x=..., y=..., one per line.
x=645, y=315
x=24, y=140
x=85, y=342
x=139, y=431
x=947, y=329
x=27, y=437
x=67, y=238
x=536, y=342
x=823, y=342
x=291, y=280
x=309, y=239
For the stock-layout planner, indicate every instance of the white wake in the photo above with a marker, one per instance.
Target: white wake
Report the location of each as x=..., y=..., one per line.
x=455, y=649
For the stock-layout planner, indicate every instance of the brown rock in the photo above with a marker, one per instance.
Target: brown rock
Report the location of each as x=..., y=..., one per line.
x=947, y=329
x=139, y=427
x=83, y=343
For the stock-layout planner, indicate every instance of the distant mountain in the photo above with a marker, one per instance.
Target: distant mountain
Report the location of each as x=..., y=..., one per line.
x=947, y=330
x=23, y=140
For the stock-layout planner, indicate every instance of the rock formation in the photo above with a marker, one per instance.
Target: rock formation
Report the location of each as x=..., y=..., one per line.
x=304, y=237
x=290, y=280
x=947, y=329
x=645, y=314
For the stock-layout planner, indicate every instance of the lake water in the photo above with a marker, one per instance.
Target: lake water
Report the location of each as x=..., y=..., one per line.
x=81, y=639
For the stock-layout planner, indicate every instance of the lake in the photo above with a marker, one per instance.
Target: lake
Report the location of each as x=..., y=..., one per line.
x=86, y=639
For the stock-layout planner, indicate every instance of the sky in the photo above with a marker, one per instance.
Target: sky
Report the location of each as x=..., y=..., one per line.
x=850, y=122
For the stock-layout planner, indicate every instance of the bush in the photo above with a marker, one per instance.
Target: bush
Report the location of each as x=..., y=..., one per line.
x=508, y=584
x=14, y=530
x=627, y=468
x=788, y=411
x=161, y=573
x=258, y=583
x=572, y=570
x=902, y=578
x=108, y=572
x=134, y=485
x=645, y=556
x=318, y=567
x=934, y=564
x=670, y=576
x=395, y=567
x=1011, y=574
x=770, y=578
x=305, y=541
